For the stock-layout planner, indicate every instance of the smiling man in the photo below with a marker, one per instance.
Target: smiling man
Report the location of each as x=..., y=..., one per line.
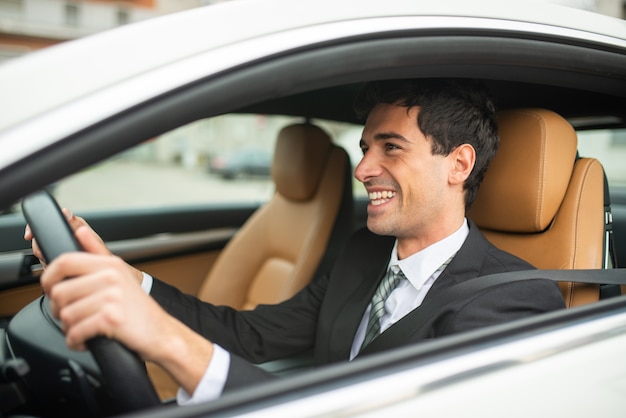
x=415, y=195
x=426, y=145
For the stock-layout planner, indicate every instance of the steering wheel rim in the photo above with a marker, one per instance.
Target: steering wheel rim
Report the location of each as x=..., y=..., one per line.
x=123, y=373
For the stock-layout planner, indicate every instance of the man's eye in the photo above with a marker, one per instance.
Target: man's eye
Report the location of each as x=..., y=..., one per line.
x=390, y=146
x=363, y=150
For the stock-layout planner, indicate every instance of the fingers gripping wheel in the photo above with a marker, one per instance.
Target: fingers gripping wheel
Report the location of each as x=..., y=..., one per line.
x=123, y=372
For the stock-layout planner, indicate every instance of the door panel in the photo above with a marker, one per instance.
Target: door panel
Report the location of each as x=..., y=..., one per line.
x=13, y=300
x=177, y=245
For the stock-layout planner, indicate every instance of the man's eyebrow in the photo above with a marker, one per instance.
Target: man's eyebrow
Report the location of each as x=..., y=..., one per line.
x=389, y=135
x=383, y=136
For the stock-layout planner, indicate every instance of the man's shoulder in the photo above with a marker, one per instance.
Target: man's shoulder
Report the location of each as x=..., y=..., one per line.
x=495, y=260
x=505, y=261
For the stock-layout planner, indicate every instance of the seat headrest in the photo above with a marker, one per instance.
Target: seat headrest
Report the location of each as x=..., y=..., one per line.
x=527, y=179
x=299, y=160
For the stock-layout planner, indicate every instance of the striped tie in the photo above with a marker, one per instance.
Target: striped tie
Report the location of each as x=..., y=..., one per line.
x=389, y=282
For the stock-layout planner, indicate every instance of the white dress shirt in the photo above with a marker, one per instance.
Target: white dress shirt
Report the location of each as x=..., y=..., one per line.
x=420, y=269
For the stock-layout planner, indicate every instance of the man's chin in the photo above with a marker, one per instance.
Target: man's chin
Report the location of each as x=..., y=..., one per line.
x=378, y=229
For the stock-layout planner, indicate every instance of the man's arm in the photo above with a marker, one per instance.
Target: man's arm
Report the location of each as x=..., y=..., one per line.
x=266, y=333
x=219, y=372
x=106, y=298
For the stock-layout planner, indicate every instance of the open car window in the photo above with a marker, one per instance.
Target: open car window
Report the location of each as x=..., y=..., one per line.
x=225, y=159
x=608, y=146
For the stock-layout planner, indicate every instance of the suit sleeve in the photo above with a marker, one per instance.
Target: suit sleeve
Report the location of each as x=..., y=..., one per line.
x=241, y=374
x=266, y=333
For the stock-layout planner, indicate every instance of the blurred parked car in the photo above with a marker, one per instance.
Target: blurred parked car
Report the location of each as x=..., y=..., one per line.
x=74, y=106
x=247, y=162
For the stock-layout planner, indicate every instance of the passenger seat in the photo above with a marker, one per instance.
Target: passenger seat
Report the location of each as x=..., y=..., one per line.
x=280, y=248
x=291, y=239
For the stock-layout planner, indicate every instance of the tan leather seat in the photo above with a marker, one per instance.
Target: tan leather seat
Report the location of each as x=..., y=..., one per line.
x=541, y=203
x=277, y=252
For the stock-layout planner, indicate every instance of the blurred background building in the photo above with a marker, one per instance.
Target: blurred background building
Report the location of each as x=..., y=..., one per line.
x=28, y=25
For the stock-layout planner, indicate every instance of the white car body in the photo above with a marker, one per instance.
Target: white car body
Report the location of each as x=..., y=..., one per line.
x=550, y=367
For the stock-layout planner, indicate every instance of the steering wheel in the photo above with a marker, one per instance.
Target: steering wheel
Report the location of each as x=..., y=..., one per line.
x=34, y=333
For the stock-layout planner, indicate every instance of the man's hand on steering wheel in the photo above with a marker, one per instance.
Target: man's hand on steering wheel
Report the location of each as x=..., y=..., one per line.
x=105, y=298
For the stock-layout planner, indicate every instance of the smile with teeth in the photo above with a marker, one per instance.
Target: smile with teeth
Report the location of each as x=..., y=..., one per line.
x=378, y=198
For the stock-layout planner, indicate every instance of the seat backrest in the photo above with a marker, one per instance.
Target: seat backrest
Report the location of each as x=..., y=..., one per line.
x=540, y=202
x=280, y=248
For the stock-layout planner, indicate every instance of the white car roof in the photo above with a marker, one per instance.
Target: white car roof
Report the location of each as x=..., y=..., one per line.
x=47, y=79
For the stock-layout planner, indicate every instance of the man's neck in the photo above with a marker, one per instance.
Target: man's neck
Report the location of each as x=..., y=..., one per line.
x=408, y=246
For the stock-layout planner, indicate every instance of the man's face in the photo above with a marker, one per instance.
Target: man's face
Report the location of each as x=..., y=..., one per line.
x=407, y=185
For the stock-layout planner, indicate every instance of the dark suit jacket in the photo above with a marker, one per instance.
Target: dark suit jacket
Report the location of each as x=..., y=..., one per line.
x=325, y=315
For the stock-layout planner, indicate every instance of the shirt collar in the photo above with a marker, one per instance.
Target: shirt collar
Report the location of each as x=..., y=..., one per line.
x=419, y=267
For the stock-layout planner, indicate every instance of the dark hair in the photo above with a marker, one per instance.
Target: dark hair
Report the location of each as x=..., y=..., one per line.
x=452, y=112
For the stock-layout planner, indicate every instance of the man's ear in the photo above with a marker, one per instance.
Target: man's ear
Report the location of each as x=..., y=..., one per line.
x=462, y=159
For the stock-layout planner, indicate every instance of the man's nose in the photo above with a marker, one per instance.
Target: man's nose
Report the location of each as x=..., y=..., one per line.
x=367, y=168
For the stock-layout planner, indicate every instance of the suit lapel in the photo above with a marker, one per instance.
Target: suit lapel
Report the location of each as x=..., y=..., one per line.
x=464, y=266
x=467, y=263
x=367, y=267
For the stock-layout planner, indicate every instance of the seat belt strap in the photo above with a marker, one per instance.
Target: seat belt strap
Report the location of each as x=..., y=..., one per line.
x=609, y=260
x=397, y=334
